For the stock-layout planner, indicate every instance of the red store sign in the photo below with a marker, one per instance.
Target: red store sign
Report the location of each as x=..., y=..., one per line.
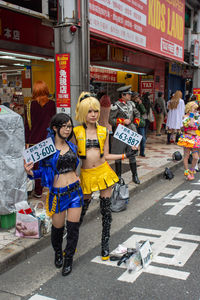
x=63, y=82
x=24, y=29
x=154, y=25
x=103, y=75
x=147, y=86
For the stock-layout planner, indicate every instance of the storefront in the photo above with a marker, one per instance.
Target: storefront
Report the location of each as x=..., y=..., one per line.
x=26, y=55
x=136, y=40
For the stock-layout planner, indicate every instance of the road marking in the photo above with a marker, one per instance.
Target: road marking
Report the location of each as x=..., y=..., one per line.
x=178, y=246
x=186, y=198
x=39, y=297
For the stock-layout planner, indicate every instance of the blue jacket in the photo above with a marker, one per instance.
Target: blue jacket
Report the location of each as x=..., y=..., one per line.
x=47, y=167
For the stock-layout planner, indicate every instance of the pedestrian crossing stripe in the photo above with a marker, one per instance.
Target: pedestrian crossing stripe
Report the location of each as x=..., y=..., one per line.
x=171, y=250
x=40, y=297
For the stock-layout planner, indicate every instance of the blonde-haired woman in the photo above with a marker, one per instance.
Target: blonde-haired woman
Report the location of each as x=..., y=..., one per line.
x=96, y=174
x=190, y=139
x=176, y=107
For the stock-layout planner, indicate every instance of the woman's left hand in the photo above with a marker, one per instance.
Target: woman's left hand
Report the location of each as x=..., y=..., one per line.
x=134, y=147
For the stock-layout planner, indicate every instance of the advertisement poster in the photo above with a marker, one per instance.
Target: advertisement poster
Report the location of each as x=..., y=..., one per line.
x=63, y=83
x=153, y=25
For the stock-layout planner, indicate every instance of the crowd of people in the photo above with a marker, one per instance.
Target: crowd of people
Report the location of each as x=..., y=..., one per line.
x=89, y=142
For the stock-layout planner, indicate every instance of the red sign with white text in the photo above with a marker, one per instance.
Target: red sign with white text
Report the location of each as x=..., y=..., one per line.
x=63, y=80
x=146, y=86
x=153, y=25
x=24, y=29
x=103, y=75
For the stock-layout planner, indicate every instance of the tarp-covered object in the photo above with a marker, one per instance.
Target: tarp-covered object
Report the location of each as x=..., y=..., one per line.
x=12, y=175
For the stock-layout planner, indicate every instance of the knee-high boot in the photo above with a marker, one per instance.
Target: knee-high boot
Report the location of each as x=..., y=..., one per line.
x=118, y=168
x=133, y=168
x=72, y=240
x=56, y=241
x=105, y=204
x=84, y=209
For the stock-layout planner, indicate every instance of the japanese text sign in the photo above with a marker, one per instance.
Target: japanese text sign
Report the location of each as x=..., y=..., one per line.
x=39, y=151
x=127, y=136
x=63, y=80
x=154, y=25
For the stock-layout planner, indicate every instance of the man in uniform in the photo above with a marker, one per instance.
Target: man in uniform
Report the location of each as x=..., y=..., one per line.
x=124, y=112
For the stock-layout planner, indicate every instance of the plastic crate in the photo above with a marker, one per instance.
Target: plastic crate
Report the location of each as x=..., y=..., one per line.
x=8, y=221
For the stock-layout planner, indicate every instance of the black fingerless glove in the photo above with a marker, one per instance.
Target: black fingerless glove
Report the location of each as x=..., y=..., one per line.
x=131, y=153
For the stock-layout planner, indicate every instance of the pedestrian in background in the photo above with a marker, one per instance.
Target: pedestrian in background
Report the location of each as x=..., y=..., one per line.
x=105, y=104
x=38, y=114
x=190, y=139
x=141, y=127
x=176, y=111
x=160, y=112
x=148, y=116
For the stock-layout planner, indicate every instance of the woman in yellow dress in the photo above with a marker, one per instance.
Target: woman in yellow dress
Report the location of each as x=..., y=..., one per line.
x=96, y=173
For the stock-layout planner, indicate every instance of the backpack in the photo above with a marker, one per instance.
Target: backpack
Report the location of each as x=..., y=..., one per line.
x=177, y=156
x=158, y=108
x=168, y=174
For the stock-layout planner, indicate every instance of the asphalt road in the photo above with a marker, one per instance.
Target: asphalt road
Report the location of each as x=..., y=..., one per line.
x=166, y=214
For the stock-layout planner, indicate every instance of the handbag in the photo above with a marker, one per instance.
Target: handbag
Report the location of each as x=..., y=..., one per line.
x=120, y=196
x=150, y=116
x=40, y=212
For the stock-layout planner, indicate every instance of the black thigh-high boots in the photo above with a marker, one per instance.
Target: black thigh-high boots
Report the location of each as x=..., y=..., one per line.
x=133, y=168
x=72, y=240
x=56, y=241
x=105, y=204
x=118, y=168
x=85, y=207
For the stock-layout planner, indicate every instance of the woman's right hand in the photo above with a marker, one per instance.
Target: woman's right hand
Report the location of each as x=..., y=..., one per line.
x=28, y=168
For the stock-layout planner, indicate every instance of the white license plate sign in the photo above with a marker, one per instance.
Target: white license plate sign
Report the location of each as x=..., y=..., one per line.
x=127, y=136
x=39, y=151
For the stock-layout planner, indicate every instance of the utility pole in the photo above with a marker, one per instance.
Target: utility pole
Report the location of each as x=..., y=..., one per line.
x=72, y=36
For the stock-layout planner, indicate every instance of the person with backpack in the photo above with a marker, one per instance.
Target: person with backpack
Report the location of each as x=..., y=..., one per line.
x=160, y=112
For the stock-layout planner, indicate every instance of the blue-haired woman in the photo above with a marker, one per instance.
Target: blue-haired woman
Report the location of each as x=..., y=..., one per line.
x=58, y=174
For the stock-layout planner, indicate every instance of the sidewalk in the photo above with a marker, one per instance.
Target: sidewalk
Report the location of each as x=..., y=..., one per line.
x=150, y=168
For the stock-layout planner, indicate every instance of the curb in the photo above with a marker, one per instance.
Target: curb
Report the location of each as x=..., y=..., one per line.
x=22, y=249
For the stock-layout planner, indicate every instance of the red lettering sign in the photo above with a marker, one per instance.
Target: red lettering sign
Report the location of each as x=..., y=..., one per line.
x=154, y=25
x=63, y=82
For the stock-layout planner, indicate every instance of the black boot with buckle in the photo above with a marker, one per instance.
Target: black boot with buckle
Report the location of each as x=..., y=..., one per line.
x=105, y=204
x=56, y=240
x=133, y=168
x=72, y=240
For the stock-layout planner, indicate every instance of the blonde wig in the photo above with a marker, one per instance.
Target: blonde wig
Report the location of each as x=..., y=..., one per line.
x=175, y=100
x=86, y=101
x=190, y=106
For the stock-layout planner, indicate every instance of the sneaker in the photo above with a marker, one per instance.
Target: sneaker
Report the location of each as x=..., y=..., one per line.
x=190, y=177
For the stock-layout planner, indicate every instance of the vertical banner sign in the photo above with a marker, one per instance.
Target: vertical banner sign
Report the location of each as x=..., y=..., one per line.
x=63, y=83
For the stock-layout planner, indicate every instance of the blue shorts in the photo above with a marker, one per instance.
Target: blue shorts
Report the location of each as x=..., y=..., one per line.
x=65, y=197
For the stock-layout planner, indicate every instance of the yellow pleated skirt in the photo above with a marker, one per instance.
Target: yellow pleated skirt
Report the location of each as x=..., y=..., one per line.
x=97, y=179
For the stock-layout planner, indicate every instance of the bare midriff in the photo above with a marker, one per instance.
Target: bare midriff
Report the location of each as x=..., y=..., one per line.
x=63, y=180
x=93, y=159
